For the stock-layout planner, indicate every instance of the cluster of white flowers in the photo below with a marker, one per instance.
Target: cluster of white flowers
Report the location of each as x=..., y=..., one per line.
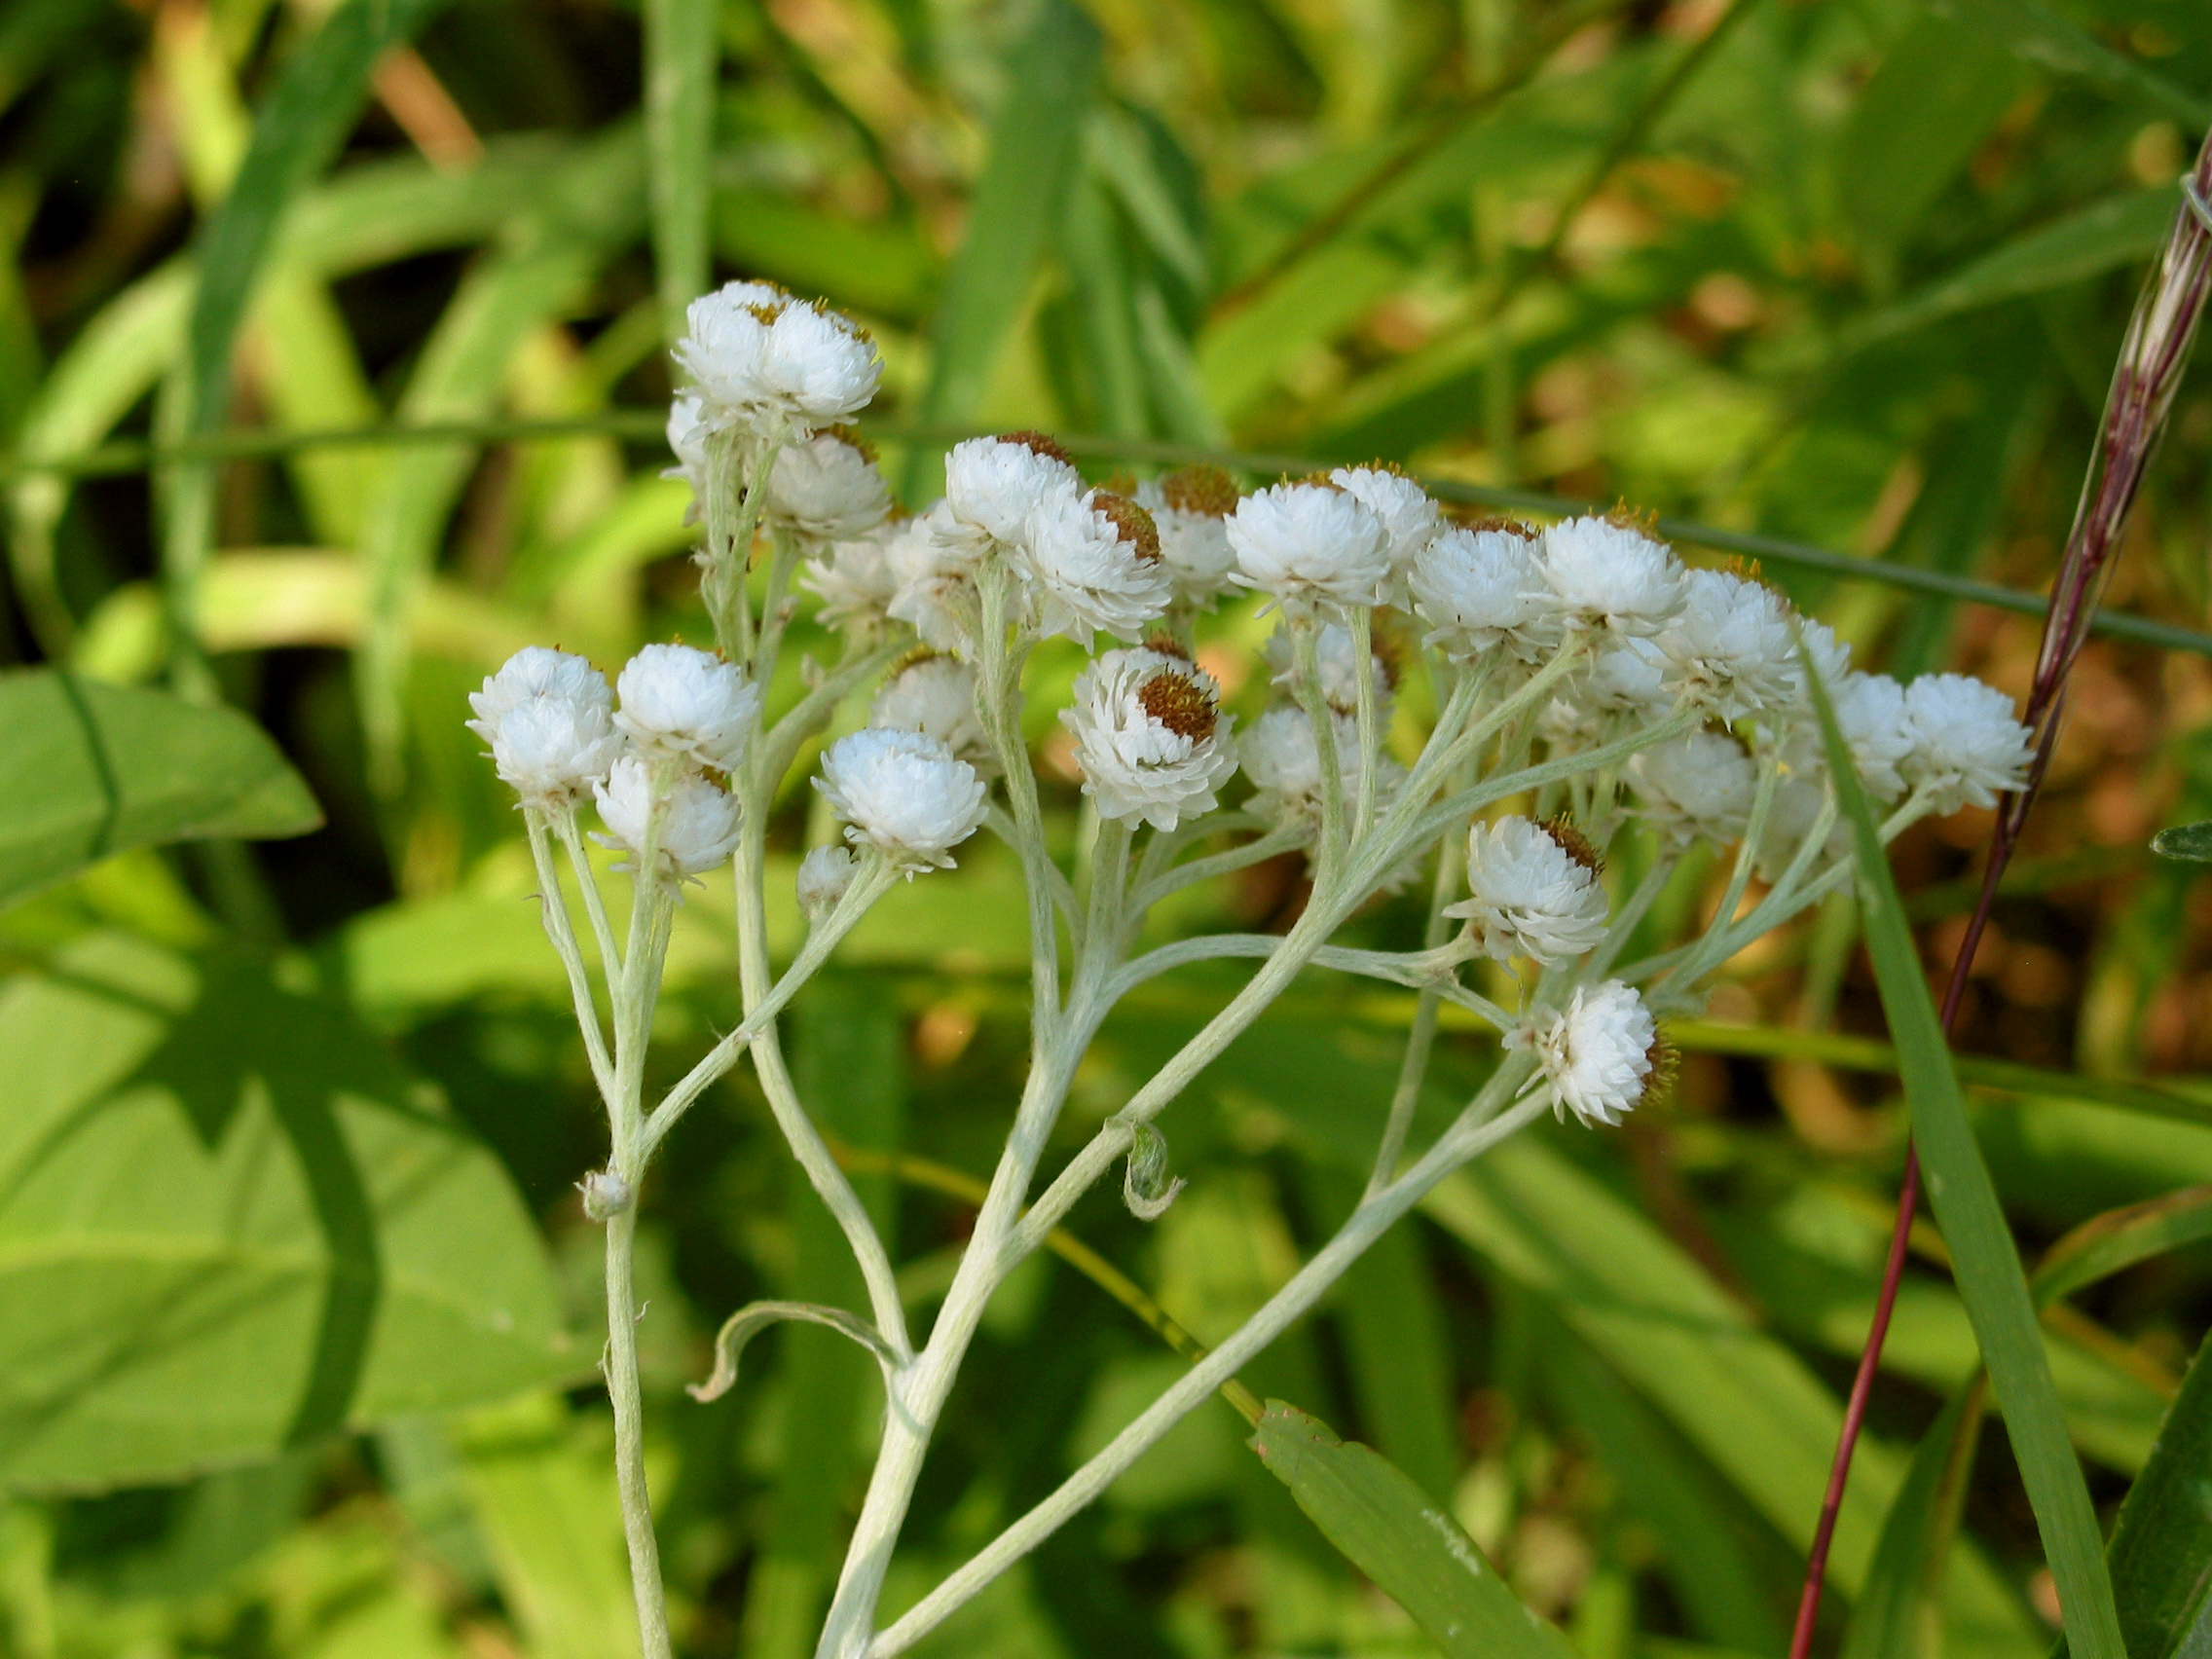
x=1556, y=720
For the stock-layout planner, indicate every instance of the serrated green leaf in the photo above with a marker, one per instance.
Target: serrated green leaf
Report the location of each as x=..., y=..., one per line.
x=1986, y=1265
x=90, y=770
x=1371, y=1510
x=228, y=1224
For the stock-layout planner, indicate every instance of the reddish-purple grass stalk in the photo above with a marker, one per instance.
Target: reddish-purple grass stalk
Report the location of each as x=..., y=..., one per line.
x=2152, y=359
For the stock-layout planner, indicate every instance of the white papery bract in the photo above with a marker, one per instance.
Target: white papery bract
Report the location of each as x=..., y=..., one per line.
x=1410, y=519
x=903, y=793
x=824, y=876
x=817, y=366
x=1530, y=895
x=1191, y=509
x=825, y=488
x=1338, y=660
x=1150, y=737
x=854, y=580
x=1870, y=714
x=992, y=485
x=688, y=437
x=1730, y=649
x=699, y=819
x=1281, y=757
x=932, y=560
x=1306, y=543
x=1091, y=565
x=936, y=695
x=1696, y=787
x=1482, y=591
x=1597, y=1054
x=724, y=344
x=686, y=704
x=1603, y=575
x=1967, y=746
x=547, y=717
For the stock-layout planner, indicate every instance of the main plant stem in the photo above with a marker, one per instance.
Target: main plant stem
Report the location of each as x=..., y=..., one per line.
x=621, y=1367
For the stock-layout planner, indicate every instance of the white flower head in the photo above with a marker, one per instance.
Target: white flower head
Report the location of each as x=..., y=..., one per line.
x=756, y=354
x=1870, y=714
x=1410, y=518
x=1150, y=737
x=1279, y=754
x=992, y=485
x=1534, y=892
x=699, y=819
x=1967, y=746
x=724, y=344
x=931, y=560
x=1831, y=657
x=1729, y=648
x=1481, y=589
x=825, y=488
x=1696, y=787
x=818, y=365
x=1626, y=678
x=1601, y=1057
x=547, y=716
x=854, y=580
x=687, y=437
x=936, y=694
x=1607, y=575
x=1091, y=563
x=903, y=793
x=687, y=704
x=1191, y=509
x=1338, y=663
x=1306, y=542
x=824, y=876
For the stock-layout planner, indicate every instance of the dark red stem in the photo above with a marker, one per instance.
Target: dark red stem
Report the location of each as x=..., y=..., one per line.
x=2143, y=382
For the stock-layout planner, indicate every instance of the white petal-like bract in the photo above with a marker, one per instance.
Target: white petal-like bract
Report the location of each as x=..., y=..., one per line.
x=1150, y=737
x=689, y=704
x=903, y=793
x=1530, y=893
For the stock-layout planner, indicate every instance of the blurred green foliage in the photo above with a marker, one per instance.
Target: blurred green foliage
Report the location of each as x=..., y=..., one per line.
x=295, y=1296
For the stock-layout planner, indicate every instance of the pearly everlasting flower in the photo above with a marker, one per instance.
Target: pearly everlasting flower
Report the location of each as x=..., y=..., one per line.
x=825, y=488
x=817, y=365
x=1626, y=678
x=1598, y=1056
x=1282, y=757
x=903, y=793
x=1308, y=543
x=1967, y=746
x=724, y=344
x=1339, y=664
x=1191, y=509
x=1091, y=563
x=699, y=819
x=993, y=485
x=824, y=876
x=936, y=695
x=687, y=704
x=1534, y=893
x=932, y=560
x=1870, y=713
x=687, y=435
x=1831, y=657
x=1729, y=648
x=754, y=354
x=1483, y=590
x=854, y=580
x=1150, y=737
x=1604, y=575
x=1410, y=519
x=1697, y=787
x=546, y=716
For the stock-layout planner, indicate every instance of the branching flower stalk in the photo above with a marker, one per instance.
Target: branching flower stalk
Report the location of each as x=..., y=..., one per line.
x=1578, y=665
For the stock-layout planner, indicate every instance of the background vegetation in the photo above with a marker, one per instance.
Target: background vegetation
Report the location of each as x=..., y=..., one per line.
x=1848, y=275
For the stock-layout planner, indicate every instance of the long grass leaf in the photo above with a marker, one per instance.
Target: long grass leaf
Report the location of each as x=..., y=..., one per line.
x=681, y=55
x=2162, y=1545
x=1987, y=1266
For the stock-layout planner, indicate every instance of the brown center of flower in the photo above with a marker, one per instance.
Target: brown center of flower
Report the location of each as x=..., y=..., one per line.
x=1131, y=522
x=1204, y=489
x=1167, y=645
x=1573, y=843
x=1038, y=443
x=1666, y=1064
x=1180, y=704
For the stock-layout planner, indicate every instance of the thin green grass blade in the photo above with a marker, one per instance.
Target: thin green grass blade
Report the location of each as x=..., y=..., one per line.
x=2118, y=1239
x=1035, y=146
x=682, y=56
x=308, y=114
x=2043, y=37
x=1371, y=1510
x=2162, y=1545
x=1987, y=1266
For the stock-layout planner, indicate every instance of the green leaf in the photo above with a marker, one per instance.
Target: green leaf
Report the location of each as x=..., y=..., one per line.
x=228, y=1222
x=2187, y=842
x=1035, y=144
x=90, y=770
x=2041, y=37
x=683, y=53
x=2161, y=1544
x=1986, y=1266
x=2119, y=1239
x=1372, y=1511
